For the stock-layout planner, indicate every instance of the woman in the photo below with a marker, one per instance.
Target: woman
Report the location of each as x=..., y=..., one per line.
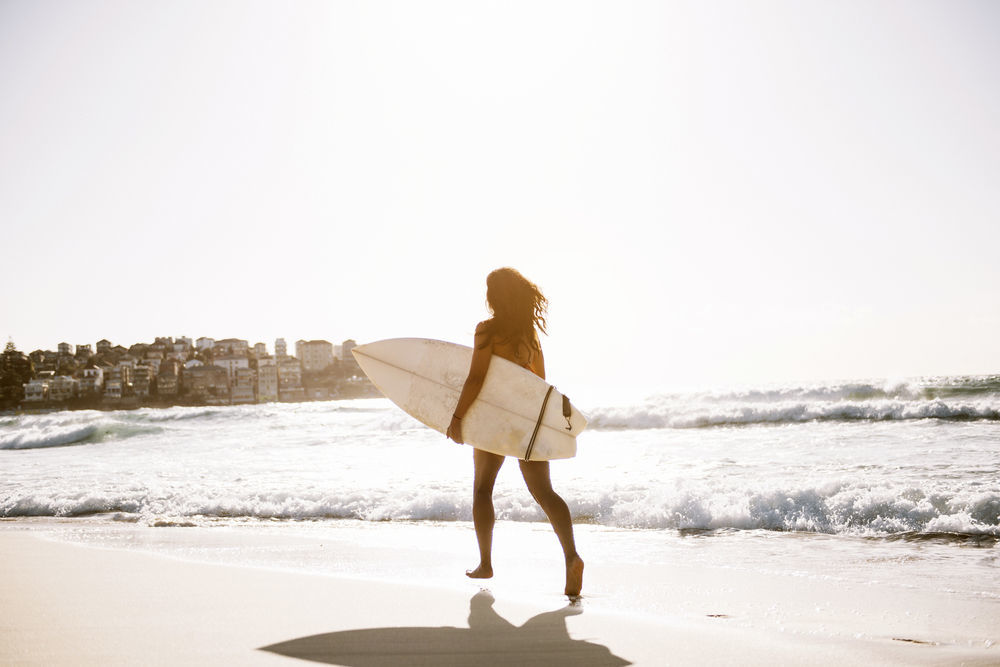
x=518, y=310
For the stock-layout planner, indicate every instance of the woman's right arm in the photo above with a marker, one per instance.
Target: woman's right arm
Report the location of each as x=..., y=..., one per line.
x=482, y=352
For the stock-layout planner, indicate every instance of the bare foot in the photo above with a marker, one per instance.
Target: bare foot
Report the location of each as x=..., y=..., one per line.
x=481, y=572
x=574, y=576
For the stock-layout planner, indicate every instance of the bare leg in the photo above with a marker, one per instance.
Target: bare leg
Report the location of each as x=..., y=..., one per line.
x=536, y=476
x=487, y=466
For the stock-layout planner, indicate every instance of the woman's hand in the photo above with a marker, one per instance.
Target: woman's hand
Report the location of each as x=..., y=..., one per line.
x=455, y=430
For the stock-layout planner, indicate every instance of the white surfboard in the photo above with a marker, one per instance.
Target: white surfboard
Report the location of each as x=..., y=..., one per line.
x=425, y=378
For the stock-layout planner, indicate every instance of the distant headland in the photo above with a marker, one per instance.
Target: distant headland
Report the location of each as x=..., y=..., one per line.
x=178, y=371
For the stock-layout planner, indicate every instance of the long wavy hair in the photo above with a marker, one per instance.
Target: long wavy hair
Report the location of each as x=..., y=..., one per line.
x=518, y=308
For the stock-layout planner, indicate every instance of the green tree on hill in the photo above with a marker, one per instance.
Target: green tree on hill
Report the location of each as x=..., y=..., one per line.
x=15, y=370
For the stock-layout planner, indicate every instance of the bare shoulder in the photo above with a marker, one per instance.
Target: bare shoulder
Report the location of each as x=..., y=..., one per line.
x=482, y=334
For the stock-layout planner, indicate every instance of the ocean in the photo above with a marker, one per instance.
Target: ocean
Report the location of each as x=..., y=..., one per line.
x=869, y=483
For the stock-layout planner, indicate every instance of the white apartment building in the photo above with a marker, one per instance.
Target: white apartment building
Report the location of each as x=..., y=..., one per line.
x=315, y=355
x=280, y=348
x=92, y=381
x=260, y=350
x=204, y=343
x=36, y=391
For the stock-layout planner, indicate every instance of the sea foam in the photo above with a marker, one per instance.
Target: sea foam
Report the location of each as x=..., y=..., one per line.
x=863, y=459
x=836, y=509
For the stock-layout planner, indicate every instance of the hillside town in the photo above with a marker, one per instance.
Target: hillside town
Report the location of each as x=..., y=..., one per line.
x=179, y=371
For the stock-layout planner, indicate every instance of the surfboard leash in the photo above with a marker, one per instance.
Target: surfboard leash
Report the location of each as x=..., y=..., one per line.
x=538, y=424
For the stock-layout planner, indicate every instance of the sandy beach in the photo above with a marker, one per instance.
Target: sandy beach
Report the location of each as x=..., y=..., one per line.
x=68, y=604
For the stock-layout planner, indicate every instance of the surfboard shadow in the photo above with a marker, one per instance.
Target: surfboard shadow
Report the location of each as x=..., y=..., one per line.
x=489, y=640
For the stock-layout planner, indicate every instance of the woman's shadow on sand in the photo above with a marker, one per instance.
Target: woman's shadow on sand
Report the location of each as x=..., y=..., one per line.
x=489, y=640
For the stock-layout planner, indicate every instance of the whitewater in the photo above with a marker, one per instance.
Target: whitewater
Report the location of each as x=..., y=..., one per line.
x=863, y=459
x=867, y=481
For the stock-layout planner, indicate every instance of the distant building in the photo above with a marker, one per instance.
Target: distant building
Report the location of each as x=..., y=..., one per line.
x=267, y=380
x=244, y=380
x=65, y=350
x=260, y=350
x=113, y=390
x=185, y=341
x=290, y=380
x=120, y=377
x=36, y=391
x=231, y=363
x=206, y=383
x=142, y=381
x=315, y=355
x=232, y=346
x=83, y=352
x=168, y=379
x=63, y=388
x=103, y=345
x=205, y=344
x=192, y=363
x=280, y=348
x=92, y=381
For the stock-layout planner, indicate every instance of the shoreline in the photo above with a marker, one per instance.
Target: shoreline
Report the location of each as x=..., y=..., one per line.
x=124, y=405
x=77, y=604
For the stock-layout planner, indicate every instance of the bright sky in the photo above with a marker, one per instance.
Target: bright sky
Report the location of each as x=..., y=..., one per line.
x=708, y=192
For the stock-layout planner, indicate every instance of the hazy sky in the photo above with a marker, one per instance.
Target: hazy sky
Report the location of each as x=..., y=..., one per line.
x=708, y=192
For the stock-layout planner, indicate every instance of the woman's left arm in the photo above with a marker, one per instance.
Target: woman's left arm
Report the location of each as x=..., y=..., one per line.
x=482, y=352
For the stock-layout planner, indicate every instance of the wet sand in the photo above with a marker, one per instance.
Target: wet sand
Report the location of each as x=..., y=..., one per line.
x=67, y=604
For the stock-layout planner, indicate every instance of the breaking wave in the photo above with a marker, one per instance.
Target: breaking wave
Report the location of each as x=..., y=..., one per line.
x=953, y=399
x=69, y=428
x=835, y=509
